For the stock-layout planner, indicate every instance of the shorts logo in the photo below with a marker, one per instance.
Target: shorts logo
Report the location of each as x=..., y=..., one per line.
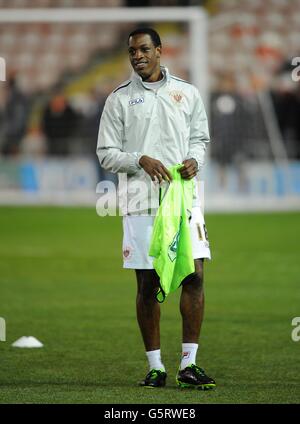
x=137, y=101
x=127, y=253
x=202, y=233
x=200, y=236
x=177, y=96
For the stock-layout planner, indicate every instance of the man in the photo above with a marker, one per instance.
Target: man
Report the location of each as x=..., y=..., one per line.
x=15, y=115
x=58, y=123
x=149, y=123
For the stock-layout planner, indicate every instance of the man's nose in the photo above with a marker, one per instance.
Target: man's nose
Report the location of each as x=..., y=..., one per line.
x=138, y=55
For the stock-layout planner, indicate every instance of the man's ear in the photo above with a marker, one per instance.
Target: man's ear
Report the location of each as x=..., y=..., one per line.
x=158, y=51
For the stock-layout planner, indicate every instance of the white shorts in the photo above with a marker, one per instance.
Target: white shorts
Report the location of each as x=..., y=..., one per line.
x=137, y=232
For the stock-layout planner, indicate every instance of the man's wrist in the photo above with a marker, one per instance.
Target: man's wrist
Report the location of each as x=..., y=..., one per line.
x=141, y=160
x=138, y=158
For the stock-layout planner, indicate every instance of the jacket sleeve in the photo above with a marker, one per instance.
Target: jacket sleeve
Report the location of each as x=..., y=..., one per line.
x=199, y=133
x=110, y=136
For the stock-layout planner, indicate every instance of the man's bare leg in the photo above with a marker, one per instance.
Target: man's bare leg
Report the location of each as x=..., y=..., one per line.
x=192, y=304
x=192, y=311
x=147, y=308
x=148, y=316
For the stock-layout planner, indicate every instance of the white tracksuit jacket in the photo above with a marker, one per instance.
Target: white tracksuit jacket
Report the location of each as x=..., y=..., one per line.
x=169, y=125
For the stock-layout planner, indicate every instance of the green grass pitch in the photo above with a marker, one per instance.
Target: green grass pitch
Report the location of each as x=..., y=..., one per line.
x=61, y=280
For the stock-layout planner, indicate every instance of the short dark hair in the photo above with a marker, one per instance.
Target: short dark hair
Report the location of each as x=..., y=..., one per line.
x=150, y=31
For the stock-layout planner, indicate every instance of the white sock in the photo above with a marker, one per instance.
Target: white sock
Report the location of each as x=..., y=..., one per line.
x=154, y=360
x=189, y=352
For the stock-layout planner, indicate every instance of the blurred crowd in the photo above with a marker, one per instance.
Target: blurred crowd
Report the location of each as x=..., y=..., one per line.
x=14, y=107
x=61, y=130
x=238, y=125
x=286, y=99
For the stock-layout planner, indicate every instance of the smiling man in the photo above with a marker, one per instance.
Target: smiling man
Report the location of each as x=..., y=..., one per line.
x=151, y=122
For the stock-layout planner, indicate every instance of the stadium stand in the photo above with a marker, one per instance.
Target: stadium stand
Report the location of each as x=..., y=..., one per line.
x=41, y=53
x=265, y=34
x=59, y=3
x=254, y=42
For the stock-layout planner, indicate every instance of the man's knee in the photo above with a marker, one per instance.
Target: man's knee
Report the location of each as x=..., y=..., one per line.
x=195, y=280
x=147, y=285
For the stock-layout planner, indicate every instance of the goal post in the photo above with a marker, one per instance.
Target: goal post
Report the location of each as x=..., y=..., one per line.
x=195, y=17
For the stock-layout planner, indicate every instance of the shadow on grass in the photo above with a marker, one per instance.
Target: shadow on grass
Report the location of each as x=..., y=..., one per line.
x=86, y=384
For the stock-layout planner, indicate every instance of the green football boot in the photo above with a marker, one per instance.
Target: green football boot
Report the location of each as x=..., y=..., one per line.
x=194, y=377
x=155, y=378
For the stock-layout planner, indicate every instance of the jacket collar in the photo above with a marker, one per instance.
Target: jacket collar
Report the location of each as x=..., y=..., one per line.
x=138, y=79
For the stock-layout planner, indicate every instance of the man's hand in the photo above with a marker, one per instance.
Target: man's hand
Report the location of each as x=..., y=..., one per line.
x=189, y=170
x=155, y=169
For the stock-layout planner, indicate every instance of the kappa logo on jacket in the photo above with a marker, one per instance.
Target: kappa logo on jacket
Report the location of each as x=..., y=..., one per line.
x=137, y=101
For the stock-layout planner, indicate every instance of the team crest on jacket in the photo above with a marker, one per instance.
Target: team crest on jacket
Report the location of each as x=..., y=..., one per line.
x=177, y=96
x=127, y=253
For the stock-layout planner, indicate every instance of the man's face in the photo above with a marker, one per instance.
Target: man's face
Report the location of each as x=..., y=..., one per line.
x=143, y=56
